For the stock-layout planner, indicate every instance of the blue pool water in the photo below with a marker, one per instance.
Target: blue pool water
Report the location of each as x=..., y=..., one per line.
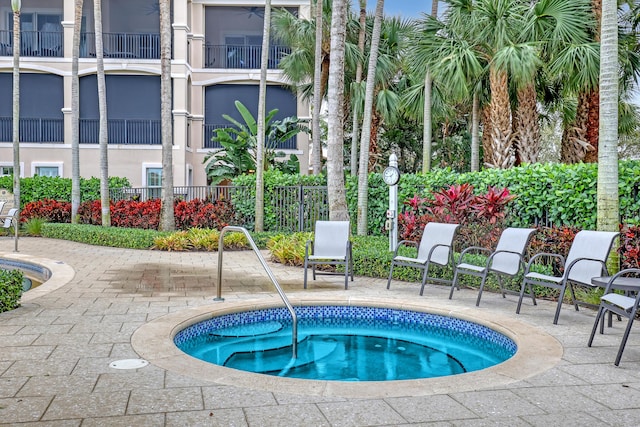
x=346, y=343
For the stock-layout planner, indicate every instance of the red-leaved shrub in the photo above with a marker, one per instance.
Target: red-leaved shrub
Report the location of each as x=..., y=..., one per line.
x=630, y=247
x=47, y=209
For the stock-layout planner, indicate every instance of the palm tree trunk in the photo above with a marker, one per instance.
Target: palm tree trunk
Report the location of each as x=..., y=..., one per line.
x=574, y=145
x=356, y=120
x=363, y=174
x=486, y=134
x=475, y=133
x=608, y=216
x=528, y=141
x=75, y=113
x=501, y=133
x=16, y=104
x=103, y=137
x=262, y=97
x=338, y=210
x=167, y=219
x=592, y=129
x=316, y=134
x=428, y=124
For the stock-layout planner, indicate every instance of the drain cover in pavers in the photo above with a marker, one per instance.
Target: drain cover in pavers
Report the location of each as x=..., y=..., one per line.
x=128, y=364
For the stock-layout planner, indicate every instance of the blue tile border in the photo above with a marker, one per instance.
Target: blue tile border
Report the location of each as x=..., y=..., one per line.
x=362, y=313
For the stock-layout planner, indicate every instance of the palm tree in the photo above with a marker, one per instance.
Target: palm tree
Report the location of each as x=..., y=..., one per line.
x=15, y=7
x=262, y=96
x=316, y=160
x=338, y=210
x=363, y=175
x=167, y=220
x=75, y=113
x=103, y=137
x=428, y=124
x=355, y=119
x=608, y=203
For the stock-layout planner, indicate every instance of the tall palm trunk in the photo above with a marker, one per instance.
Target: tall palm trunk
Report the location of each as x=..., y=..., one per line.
x=335, y=135
x=103, y=136
x=501, y=132
x=167, y=220
x=593, y=122
x=356, y=119
x=15, y=6
x=316, y=135
x=475, y=133
x=262, y=97
x=75, y=113
x=528, y=139
x=363, y=174
x=428, y=124
x=574, y=144
x=486, y=133
x=608, y=216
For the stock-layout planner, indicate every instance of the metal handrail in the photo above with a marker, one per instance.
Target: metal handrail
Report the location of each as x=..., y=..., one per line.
x=294, y=343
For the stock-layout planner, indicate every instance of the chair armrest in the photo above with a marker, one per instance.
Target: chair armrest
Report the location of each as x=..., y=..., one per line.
x=577, y=260
x=610, y=286
x=434, y=247
x=471, y=249
x=308, y=248
x=404, y=243
x=541, y=254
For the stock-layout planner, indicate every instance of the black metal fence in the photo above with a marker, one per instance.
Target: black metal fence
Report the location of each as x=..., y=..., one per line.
x=242, y=56
x=33, y=129
x=289, y=208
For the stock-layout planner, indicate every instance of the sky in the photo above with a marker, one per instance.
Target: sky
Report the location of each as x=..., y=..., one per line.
x=404, y=8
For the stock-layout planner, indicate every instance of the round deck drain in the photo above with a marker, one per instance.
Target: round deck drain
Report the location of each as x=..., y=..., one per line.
x=128, y=364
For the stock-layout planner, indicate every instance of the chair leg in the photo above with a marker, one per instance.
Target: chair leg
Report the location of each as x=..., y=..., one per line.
x=390, y=274
x=424, y=278
x=559, y=307
x=453, y=283
x=573, y=296
x=306, y=266
x=595, y=325
x=624, y=339
x=524, y=285
x=482, y=282
x=346, y=274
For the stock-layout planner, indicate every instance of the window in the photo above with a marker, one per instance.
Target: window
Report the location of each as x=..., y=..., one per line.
x=154, y=177
x=6, y=170
x=47, y=171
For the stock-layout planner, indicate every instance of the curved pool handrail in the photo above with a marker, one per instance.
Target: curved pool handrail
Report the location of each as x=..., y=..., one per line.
x=283, y=296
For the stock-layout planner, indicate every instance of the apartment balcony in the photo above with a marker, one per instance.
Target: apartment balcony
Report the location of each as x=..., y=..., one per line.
x=33, y=130
x=209, y=129
x=122, y=131
x=242, y=56
x=43, y=44
x=122, y=45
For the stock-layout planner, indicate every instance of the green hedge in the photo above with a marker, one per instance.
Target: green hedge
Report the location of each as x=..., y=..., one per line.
x=43, y=187
x=132, y=238
x=565, y=193
x=10, y=289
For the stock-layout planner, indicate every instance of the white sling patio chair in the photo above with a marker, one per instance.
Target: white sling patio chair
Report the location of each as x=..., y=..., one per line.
x=331, y=246
x=436, y=247
x=11, y=220
x=506, y=260
x=622, y=305
x=587, y=259
x=2, y=202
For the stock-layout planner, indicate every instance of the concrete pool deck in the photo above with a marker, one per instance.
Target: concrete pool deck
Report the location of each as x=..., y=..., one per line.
x=56, y=351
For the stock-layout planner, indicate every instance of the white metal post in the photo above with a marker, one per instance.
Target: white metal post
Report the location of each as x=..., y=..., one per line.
x=393, y=208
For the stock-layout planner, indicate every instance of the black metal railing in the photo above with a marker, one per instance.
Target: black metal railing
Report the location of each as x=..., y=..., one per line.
x=122, y=45
x=209, y=129
x=122, y=131
x=33, y=130
x=242, y=56
x=33, y=43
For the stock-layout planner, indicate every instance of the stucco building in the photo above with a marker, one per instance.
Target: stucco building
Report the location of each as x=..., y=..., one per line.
x=216, y=50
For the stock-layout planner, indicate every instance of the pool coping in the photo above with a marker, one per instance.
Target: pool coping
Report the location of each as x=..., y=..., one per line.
x=61, y=274
x=537, y=351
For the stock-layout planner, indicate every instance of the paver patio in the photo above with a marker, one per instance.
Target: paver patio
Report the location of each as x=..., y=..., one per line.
x=55, y=352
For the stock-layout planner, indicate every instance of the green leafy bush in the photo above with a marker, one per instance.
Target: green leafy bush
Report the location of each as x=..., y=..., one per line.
x=10, y=289
x=43, y=187
x=132, y=238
